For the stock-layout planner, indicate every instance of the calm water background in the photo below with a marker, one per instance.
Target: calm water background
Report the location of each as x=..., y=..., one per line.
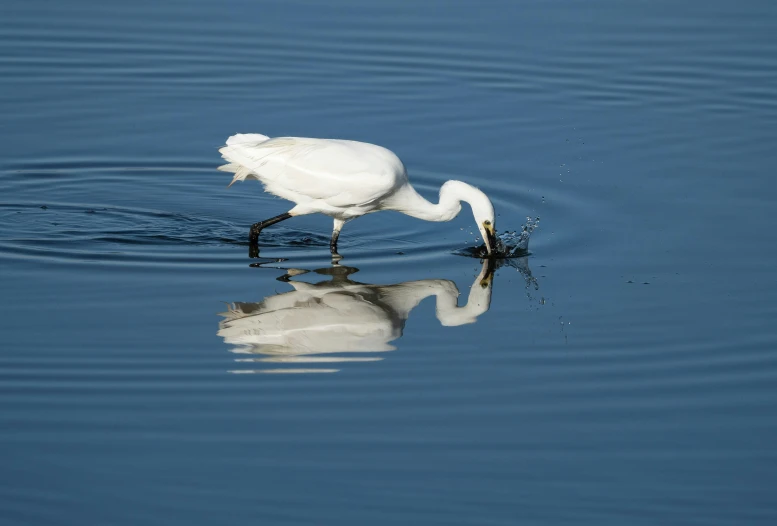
x=624, y=374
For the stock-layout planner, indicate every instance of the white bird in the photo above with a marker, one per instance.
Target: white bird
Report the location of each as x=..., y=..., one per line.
x=343, y=316
x=344, y=180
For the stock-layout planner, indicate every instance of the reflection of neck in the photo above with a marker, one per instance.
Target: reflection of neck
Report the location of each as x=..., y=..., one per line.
x=404, y=297
x=478, y=302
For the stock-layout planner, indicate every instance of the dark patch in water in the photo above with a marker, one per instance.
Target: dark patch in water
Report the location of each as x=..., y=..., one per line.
x=509, y=244
x=481, y=252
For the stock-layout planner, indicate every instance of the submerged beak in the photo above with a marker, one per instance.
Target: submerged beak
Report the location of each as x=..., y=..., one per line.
x=490, y=238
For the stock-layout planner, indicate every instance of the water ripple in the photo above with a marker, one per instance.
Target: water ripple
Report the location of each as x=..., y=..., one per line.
x=73, y=209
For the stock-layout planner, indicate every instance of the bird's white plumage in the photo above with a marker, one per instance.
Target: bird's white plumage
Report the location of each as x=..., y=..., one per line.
x=246, y=138
x=340, y=178
x=344, y=179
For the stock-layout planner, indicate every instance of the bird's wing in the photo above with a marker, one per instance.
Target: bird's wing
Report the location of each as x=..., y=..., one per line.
x=341, y=173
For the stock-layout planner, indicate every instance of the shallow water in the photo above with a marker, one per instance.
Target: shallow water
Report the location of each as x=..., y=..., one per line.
x=622, y=372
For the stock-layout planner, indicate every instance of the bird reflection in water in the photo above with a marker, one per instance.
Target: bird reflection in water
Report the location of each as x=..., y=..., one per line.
x=322, y=323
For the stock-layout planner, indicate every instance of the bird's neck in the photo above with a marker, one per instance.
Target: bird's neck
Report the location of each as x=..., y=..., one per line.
x=410, y=202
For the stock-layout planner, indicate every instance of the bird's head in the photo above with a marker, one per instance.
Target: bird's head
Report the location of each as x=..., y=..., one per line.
x=488, y=232
x=454, y=191
x=483, y=211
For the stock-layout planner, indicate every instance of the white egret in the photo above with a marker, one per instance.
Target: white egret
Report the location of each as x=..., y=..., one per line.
x=344, y=180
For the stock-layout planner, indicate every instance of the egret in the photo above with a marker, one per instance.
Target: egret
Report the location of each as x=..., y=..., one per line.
x=344, y=180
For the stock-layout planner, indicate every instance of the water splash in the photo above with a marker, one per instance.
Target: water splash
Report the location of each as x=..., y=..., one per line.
x=513, y=244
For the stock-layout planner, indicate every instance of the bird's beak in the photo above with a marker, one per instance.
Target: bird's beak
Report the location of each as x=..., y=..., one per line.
x=490, y=238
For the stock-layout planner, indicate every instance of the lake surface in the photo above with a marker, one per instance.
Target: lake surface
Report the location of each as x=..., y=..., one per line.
x=625, y=372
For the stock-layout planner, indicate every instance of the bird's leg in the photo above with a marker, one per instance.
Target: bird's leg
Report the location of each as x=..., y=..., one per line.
x=333, y=242
x=335, y=234
x=253, y=236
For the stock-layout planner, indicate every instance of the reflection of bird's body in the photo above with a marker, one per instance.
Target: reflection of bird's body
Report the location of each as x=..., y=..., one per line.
x=342, y=315
x=344, y=180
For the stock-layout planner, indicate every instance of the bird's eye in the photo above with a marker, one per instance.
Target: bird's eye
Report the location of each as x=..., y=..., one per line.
x=486, y=222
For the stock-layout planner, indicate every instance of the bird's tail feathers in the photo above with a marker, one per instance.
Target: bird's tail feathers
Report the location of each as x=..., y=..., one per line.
x=241, y=172
x=233, y=152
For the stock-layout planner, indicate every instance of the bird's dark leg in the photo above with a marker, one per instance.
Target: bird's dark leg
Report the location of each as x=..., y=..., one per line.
x=333, y=242
x=335, y=234
x=253, y=236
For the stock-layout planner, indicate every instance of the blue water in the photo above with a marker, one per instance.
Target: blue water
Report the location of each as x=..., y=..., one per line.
x=623, y=372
